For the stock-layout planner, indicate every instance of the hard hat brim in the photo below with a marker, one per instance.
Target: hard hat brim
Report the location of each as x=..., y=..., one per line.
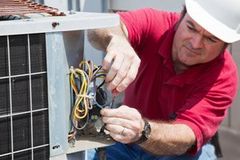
x=212, y=25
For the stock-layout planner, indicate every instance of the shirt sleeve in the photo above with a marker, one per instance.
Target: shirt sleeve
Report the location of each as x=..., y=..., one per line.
x=147, y=25
x=207, y=106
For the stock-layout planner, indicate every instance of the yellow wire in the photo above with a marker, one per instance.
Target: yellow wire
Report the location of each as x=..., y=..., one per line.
x=83, y=91
x=81, y=65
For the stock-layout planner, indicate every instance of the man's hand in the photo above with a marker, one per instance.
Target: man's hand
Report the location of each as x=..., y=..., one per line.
x=124, y=124
x=121, y=62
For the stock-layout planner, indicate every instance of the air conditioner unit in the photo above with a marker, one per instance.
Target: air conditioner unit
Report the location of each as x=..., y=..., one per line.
x=35, y=98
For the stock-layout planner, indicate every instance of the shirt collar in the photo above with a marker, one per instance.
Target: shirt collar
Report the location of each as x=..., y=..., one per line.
x=165, y=48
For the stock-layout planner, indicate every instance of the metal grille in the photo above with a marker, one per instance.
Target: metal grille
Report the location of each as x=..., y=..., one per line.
x=23, y=96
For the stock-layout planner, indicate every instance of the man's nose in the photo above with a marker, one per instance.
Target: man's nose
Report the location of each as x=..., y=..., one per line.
x=197, y=42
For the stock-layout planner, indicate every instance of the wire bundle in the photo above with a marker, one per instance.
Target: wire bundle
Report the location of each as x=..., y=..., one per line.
x=83, y=82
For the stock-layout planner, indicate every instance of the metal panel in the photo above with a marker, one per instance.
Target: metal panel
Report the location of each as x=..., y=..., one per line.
x=227, y=120
x=72, y=22
x=60, y=4
x=235, y=110
x=173, y=5
x=63, y=50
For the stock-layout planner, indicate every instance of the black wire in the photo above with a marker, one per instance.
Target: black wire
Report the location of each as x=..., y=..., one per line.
x=98, y=68
x=97, y=76
x=101, y=84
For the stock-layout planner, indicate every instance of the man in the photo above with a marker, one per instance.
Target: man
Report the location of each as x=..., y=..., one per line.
x=179, y=79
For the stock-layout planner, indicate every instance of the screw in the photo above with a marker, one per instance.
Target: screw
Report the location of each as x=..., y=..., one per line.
x=55, y=24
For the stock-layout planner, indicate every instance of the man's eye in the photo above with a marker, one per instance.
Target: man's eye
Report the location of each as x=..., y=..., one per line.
x=191, y=28
x=210, y=40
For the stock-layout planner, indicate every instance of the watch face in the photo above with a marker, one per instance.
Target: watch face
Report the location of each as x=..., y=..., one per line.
x=147, y=129
x=145, y=133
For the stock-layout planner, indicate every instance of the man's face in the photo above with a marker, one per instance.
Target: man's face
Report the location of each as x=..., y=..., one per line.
x=192, y=44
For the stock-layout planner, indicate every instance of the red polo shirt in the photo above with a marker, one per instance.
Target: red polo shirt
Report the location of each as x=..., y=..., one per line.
x=199, y=97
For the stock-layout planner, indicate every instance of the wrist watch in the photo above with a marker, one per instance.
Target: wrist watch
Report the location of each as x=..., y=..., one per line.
x=145, y=133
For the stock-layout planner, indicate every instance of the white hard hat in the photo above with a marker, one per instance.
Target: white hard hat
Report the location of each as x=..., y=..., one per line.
x=219, y=17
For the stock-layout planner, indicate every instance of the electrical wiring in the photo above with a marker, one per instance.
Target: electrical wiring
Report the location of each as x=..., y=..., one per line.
x=87, y=85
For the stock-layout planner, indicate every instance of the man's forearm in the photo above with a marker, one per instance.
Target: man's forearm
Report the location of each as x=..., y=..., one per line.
x=100, y=38
x=169, y=139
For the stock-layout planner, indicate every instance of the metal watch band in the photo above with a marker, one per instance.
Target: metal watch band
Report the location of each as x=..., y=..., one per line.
x=145, y=133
